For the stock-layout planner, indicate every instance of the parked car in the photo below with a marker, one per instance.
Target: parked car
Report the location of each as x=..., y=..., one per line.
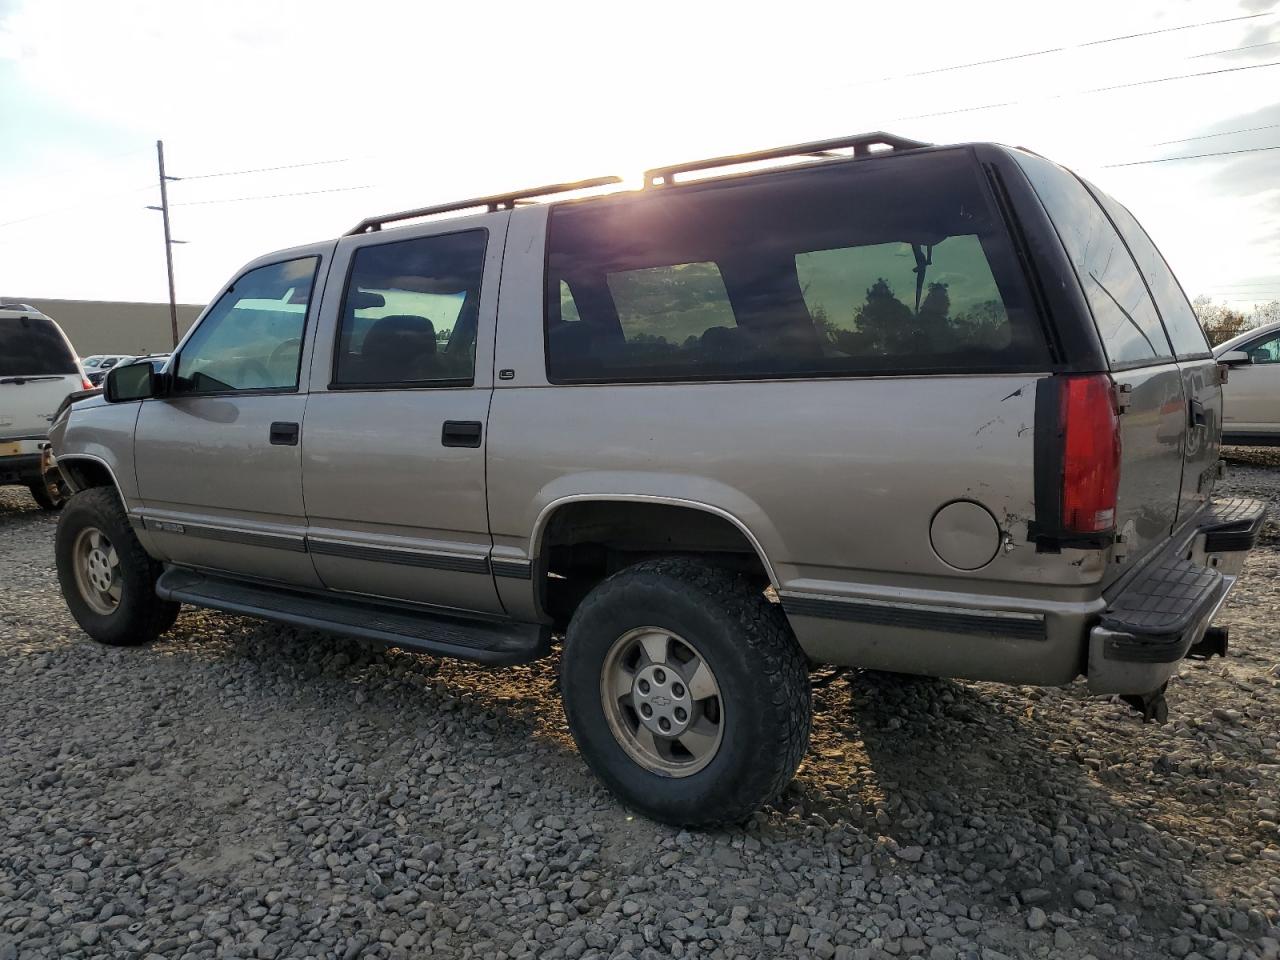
x=911, y=408
x=1251, y=395
x=38, y=369
x=102, y=364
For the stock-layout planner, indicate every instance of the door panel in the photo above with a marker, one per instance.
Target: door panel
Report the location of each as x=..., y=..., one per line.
x=392, y=511
x=395, y=501
x=216, y=492
x=218, y=463
x=1251, y=398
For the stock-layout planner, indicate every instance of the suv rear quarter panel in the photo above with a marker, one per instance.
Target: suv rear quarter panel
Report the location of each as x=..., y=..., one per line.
x=837, y=479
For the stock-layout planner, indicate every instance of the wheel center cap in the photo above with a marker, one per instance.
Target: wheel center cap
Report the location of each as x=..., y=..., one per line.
x=99, y=570
x=661, y=698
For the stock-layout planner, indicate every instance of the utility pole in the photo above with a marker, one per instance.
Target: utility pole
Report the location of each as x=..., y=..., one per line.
x=168, y=238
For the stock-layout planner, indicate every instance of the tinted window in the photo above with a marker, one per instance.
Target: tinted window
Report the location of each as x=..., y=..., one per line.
x=893, y=265
x=410, y=312
x=33, y=347
x=251, y=339
x=1266, y=350
x=1179, y=319
x=1127, y=320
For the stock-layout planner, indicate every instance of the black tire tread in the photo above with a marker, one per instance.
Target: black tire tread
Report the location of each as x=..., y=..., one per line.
x=147, y=619
x=763, y=629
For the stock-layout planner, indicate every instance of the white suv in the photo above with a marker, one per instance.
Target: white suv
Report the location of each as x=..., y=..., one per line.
x=38, y=370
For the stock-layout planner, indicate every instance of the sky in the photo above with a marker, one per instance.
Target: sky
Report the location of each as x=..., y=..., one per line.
x=396, y=105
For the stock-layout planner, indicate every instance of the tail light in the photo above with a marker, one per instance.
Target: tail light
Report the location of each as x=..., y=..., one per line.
x=1091, y=454
x=85, y=384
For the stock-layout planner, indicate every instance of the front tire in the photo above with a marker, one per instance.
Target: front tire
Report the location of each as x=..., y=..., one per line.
x=686, y=692
x=108, y=580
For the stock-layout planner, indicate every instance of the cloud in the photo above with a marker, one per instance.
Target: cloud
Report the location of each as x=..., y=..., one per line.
x=1245, y=174
x=1259, y=6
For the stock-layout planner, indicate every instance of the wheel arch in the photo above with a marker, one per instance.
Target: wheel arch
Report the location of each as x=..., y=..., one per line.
x=581, y=539
x=83, y=471
x=538, y=540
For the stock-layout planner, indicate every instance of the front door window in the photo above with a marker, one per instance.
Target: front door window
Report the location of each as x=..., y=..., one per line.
x=252, y=338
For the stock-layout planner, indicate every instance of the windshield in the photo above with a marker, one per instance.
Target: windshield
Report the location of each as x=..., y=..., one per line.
x=33, y=347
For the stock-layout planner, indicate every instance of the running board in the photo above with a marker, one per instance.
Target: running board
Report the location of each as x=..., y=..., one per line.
x=494, y=642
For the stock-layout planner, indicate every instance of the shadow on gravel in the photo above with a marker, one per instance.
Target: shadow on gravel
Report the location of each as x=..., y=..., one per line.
x=977, y=785
x=381, y=681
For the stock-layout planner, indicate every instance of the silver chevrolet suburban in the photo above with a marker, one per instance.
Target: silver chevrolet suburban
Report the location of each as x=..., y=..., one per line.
x=939, y=410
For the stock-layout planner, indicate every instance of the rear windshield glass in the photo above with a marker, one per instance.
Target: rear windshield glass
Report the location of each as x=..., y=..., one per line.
x=33, y=347
x=1122, y=309
x=891, y=266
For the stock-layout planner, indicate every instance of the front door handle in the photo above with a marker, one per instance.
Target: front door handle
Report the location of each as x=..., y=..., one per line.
x=284, y=434
x=461, y=433
x=1195, y=414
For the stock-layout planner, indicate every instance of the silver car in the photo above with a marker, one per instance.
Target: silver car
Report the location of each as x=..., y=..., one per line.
x=933, y=410
x=1251, y=396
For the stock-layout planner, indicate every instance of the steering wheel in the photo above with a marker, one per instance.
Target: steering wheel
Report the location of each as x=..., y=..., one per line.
x=281, y=352
x=251, y=367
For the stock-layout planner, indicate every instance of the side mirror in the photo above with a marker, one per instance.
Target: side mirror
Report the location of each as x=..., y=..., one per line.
x=132, y=381
x=1235, y=358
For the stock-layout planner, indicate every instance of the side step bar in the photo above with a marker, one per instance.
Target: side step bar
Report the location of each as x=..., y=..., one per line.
x=495, y=642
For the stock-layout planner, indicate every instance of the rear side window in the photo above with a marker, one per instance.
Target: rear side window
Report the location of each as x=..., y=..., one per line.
x=1179, y=319
x=33, y=347
x=410, y=313
x=888, y=266
x=1122, y=309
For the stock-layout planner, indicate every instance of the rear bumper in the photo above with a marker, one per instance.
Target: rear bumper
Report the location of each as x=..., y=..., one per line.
x=1164, y=609
x=22, y=468
x=1032, y=640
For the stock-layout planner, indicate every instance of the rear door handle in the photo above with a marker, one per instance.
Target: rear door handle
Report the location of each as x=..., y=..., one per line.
x=461, y=433
x=284, y=434
x=1196, y=415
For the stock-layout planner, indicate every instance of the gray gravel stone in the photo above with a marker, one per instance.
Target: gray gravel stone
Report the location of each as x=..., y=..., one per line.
x=241, y=789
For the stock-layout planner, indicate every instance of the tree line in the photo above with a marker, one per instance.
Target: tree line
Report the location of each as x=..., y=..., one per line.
x=1221, y=322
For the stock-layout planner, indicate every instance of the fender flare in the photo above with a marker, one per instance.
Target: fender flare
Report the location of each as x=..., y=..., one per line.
x=544, y=517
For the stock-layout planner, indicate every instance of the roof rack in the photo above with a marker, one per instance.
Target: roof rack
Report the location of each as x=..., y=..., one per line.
x=499, y=201
x=861, y=144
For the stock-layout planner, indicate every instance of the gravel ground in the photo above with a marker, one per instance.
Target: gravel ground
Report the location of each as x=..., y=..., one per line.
x=245, y=790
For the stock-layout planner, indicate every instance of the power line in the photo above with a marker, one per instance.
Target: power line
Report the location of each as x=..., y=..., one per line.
x=287, y=166
x=271, y=196
x=1181, y=76
x=1209, y=136
x=96, y=201
x=1193, y=156
x=1251, y=46
x=1092, y=90
x=75, y=171
x=1077, y=46
x=1189, y=26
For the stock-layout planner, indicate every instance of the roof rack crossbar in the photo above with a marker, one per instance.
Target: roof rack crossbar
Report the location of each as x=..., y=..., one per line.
x=861, y=145
x=498, y=201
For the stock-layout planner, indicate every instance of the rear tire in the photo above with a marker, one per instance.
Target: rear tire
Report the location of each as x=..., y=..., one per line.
x=108, y=580
x=686, y=692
